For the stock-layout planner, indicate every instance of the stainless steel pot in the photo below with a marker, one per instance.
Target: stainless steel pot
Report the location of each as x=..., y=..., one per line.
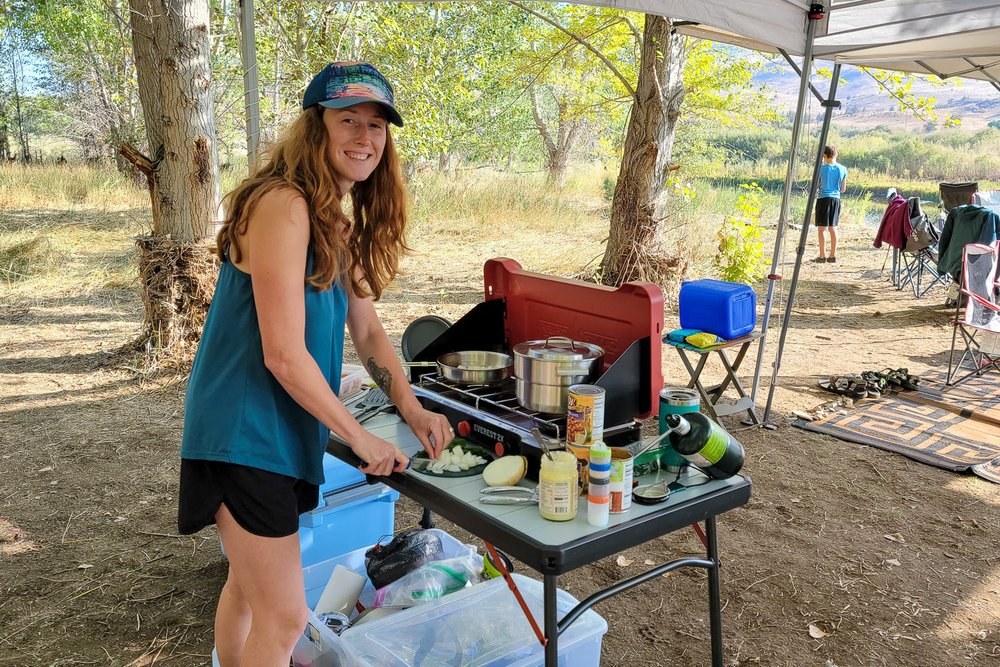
x=545, y=369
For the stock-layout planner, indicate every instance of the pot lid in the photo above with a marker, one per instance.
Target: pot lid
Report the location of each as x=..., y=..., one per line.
x=559, y=348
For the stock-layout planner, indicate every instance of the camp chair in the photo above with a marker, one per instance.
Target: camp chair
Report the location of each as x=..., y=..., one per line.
x=917, y=264
x=988, y=198
x=982, y=313
x=956, y=194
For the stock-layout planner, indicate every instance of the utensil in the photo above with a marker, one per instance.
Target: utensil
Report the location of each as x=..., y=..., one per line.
x=373, y=401
x=508, y=495
x=371, y=414
x=542, y=441
x=470, y=367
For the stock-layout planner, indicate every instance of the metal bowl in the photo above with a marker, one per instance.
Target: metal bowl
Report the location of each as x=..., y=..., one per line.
x=475, y=367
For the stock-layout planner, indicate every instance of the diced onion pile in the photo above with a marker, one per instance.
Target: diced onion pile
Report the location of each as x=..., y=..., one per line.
x=455, y=459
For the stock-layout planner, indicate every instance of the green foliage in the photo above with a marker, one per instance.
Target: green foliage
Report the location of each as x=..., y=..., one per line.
x=608, y=185
x=994, y=124
x=740, y=257
x=899, y=87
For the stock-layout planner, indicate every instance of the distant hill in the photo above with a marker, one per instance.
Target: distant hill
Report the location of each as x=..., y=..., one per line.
x=975, y=102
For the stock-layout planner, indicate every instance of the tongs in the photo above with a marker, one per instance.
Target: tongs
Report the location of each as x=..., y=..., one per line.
x=508, y=495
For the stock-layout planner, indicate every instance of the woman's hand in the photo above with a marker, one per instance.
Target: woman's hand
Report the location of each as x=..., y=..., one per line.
x=380, y=457
x=431, y=428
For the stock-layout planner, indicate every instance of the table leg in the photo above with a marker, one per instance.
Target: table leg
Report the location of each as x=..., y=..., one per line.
x=550, y=591
x=731, y=375
x=695, y=373
x=714, y=593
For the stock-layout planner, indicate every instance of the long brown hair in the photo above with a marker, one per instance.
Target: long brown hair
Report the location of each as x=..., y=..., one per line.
x=363, y=252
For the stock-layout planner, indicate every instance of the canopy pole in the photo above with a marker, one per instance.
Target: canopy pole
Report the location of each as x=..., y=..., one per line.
x=830, y=105
x=786, y=196
x=251, y=91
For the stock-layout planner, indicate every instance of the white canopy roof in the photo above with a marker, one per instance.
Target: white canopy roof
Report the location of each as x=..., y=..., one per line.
x=946, y=38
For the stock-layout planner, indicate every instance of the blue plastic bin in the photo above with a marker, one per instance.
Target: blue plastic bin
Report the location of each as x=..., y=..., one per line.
x=349, y=519
x=728, y=310
x=338, y=475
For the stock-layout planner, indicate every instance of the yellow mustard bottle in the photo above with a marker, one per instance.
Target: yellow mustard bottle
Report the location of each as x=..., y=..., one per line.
x=558, y=487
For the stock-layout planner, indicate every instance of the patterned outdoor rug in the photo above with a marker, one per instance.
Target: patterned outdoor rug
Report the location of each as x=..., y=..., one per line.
x=956, y=428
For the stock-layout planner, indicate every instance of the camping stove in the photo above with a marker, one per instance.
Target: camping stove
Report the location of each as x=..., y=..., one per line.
x=520, y=306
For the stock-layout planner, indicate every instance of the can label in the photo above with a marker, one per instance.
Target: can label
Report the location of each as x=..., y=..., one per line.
x=582, y=454
x=621, y=480
x=585, y=414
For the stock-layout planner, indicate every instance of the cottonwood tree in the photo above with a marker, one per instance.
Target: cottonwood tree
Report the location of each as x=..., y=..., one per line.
x=634, y=249
x=172, y=50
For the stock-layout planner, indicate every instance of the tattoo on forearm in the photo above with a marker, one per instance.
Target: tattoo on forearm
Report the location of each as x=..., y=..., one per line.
x=380, y=376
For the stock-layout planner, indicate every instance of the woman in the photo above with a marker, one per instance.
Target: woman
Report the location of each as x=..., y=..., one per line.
x=262, y=395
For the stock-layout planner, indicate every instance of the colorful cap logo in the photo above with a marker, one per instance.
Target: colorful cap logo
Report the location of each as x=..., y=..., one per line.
x=344, y=84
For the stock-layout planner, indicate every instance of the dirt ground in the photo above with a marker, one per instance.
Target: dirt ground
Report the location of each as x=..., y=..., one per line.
x=886, y=561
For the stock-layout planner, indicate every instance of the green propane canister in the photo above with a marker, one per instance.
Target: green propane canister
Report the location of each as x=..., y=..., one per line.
x=674, y=401
x=705, y=444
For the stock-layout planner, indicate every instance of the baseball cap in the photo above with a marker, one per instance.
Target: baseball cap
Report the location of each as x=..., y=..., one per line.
x=344, y=84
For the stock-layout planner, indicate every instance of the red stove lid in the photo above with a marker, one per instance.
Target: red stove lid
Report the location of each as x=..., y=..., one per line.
x=540, y=307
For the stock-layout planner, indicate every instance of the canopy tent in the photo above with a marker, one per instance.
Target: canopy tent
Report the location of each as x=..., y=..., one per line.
x=945, y=38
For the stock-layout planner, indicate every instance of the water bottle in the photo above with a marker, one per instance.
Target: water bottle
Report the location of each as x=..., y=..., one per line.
x=599, y=485
x=705, y=444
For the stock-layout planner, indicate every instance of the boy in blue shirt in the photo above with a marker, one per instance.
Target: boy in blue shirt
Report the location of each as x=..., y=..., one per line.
x=832, y=181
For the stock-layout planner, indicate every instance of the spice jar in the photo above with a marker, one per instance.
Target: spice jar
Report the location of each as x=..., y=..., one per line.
x=558, y=487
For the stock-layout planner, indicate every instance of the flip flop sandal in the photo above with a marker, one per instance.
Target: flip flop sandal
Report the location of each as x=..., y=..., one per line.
x=877, y=384
x=852, y=386
x=906, y=380
x=892, y=378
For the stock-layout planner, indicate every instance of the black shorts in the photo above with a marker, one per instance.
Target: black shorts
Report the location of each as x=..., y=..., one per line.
x=263, y=503
x=827, y=211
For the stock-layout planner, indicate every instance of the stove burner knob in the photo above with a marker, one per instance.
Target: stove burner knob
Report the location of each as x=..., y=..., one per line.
x=464, y=429
x=499, y=448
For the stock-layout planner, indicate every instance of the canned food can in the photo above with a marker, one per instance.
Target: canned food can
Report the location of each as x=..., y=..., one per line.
x=582, y=454
x=675, y=401
x=585, y=414
x=621, y=480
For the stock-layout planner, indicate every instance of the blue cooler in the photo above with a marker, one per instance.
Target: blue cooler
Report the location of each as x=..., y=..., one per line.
x=351, y=514
x=728, y=310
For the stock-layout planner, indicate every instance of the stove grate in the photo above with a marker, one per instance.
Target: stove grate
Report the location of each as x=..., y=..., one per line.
x=500, y=399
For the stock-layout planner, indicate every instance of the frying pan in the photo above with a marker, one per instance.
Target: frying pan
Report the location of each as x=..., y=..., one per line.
x=471, y=366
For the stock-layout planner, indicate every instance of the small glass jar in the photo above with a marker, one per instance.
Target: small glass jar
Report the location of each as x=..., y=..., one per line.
x=558, y=487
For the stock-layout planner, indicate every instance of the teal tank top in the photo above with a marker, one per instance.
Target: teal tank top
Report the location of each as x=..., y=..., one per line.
x=235, y=411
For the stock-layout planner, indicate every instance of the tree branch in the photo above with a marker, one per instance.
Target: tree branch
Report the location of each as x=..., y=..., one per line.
x=590, y=47
x=141, y=162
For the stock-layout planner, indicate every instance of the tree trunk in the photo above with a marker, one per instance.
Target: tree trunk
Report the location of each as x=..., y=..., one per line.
x=558, y=148
x=633, y=251
x=172, y=46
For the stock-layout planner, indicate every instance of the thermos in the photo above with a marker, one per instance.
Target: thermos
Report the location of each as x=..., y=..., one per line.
x=599, y=485
x=705, y=444
x=675, y=401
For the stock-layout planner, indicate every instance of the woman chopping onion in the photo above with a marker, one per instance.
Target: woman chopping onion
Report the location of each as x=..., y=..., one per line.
x=262, y=396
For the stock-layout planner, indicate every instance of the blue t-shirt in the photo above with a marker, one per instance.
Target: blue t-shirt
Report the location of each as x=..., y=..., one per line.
x=235, y=410
x=830, y=178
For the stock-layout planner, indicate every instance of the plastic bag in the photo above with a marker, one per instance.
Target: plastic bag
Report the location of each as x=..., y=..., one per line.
x=431, y=581
x=408, y=550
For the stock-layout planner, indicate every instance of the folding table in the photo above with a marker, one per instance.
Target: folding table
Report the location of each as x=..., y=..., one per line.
x=711, y=396
x=553, y=548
